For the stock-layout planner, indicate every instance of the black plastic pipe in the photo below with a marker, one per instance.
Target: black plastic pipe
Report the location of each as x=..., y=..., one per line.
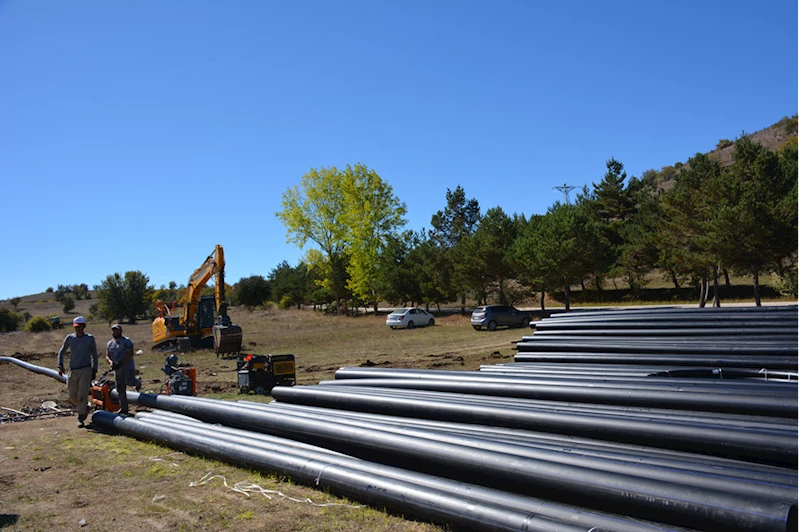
x=551, y=345
x=591, y=447
x=771, y=389
x=766, y=425
x=630, y=374
x=672, y=472
x=718, y=360
x=574, y=515
x=675, y=504
x=772, y=333
x=785, y=406
x=750, y=445
x=428, y=504
x=709, y=313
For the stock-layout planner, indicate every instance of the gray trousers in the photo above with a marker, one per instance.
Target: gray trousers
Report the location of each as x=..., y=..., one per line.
x=79, y=384
x=125, y=377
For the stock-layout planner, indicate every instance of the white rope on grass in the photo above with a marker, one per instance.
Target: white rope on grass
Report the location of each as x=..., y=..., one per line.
x=246, y=488
x=159, y=459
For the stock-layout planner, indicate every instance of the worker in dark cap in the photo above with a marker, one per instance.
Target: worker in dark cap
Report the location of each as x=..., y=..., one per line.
x=119, y=355
x=82, y=366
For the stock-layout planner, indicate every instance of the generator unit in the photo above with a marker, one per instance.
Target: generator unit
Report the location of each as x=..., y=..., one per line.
x=261, y=373
x=180, y=379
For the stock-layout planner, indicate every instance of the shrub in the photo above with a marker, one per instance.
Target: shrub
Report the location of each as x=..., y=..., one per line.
x=38, y=324
x=9, y=320
x=787, y=283
x=723, y=143
x=68, y=303
x=49, y=290
x=286, y=302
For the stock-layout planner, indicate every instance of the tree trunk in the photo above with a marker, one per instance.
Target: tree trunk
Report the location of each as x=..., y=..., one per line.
x=543, y=295
x=716, y=298
x=727, y=278
x=675, y=280
x=703, y=284
x=375, y=308
x=582, y=284
x=756, y=282
x=567, y=294
x=463, y=304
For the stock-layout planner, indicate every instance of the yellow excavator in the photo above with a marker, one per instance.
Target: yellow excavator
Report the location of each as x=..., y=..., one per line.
x=204, y=322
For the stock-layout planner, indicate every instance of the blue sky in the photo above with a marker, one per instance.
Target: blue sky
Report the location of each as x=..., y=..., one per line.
x=137, y=135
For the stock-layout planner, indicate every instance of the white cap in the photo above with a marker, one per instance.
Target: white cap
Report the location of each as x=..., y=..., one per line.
x=78, y=321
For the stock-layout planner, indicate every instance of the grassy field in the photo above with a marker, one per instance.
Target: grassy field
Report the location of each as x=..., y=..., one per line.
x=53, y=475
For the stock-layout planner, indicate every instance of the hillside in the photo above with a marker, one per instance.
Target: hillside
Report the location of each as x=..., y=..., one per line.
x=773, y=138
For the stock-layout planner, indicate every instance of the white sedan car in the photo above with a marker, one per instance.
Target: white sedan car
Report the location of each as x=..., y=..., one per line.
x=410, y=318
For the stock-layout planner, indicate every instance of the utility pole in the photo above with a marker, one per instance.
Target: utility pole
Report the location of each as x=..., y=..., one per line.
x=565, y=189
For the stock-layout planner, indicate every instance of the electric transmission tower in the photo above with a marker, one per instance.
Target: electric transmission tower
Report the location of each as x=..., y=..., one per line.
x=565, y=189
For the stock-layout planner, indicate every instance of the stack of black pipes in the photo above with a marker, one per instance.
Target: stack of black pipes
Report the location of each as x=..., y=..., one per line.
x=647, y=445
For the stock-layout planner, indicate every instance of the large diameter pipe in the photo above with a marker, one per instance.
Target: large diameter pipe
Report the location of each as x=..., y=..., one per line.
x=374, y=489
x=686, y=332
x=754, y=446
x=36, y=369
x=560, y=512
x=551, y=345
x=718, y=360
x=711, y=465
x=672, y=503
x=717, y=386
x=493, y=374
x=672, y=472
x=785, y=407
x=766, y=425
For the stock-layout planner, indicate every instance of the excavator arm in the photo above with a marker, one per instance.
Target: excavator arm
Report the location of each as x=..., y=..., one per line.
x=214, y=265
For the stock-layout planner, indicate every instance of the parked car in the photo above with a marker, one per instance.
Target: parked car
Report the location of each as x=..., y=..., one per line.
x=493, y=316
x=410, y=318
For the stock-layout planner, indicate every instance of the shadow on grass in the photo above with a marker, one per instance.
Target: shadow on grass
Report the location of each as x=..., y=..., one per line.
x=8, y=520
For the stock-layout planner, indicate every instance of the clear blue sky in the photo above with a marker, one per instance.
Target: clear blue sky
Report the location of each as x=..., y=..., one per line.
x=136, y=135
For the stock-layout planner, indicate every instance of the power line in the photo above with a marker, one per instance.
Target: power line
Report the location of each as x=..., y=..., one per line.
x=565, y=189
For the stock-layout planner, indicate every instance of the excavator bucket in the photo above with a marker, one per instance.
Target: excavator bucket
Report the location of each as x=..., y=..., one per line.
x=227, y=339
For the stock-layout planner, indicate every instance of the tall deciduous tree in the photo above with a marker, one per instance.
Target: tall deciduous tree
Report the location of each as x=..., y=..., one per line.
x=315, y=212
x=373, y=215
x=125, y=297
x=349, y=215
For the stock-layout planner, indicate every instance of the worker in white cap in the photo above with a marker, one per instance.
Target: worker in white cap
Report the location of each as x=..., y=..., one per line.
x=82, y=366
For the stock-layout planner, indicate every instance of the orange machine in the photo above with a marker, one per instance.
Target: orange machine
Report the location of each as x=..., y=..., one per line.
x=101, y=394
